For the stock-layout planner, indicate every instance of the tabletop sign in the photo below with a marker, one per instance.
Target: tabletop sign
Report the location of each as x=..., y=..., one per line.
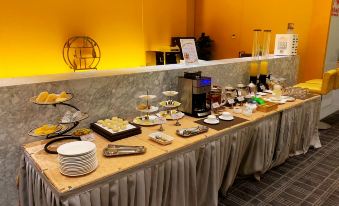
x=240, y=99
x=189, y=51
x=286, y=44
x=230, y=101
x=215, y=105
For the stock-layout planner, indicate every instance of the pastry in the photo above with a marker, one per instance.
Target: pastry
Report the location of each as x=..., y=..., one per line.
x=81, y=132
x=63, y=95
x=45, y=97
x=46, y=129
x=42, y=97
x=51, y=98
x=143, y=106
x=115, y=124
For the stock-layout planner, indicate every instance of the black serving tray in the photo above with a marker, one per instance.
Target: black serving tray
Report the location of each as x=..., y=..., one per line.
x=118, y=135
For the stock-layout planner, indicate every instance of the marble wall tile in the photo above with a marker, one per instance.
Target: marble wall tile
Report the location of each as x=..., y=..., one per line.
x=101, y=97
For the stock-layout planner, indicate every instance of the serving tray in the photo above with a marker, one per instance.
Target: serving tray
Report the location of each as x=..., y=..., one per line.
x=132, y=130
x=121, y=150
x=189, y=132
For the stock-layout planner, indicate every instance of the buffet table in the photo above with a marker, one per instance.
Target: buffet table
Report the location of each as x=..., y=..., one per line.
x=190, y=171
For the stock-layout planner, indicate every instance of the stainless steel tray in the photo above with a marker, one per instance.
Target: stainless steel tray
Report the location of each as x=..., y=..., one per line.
x=188, y=132
x=121, y=150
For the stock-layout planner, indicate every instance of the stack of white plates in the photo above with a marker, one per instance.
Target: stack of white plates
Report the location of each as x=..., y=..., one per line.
x=77, y=158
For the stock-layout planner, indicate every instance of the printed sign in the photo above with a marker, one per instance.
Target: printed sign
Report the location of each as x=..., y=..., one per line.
x=240, y=99
x=215, y=105
x=189, y=51
x=230, y=101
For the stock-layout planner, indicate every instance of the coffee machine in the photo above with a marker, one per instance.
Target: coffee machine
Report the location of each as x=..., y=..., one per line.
x=193, y=91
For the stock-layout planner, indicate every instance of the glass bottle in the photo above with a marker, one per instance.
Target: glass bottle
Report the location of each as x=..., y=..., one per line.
x=256, y=43
x=266, y=43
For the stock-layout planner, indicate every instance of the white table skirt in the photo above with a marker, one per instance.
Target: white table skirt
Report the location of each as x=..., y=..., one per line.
x=192, y=176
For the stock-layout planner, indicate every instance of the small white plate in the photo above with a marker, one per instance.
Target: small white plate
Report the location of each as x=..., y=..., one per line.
x=281, y=101
x=74, y=174
x=288, y=98
x=77, y=148
x=261, y=93
x=145, y=97
x=229, y=118
x=150, y=110
x=268, y=91
x=207, y=121
x=170, y=93
x=164, y=138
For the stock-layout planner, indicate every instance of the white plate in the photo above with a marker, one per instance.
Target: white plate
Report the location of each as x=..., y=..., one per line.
x=78, y=165
x=173, y=115
x=78, y=169
x=268, y=91
x=79, y=162
x=150, y=122
x=77, y=158
x=207, y=121
x=288, y=98
x=82, y=168
x=150, y=110
x=74, y=174
x=167, y=139
x=88, y=155
x=77, y=148
x=173, y=105
x=261, y=93
x=170, y=93
x=226, y=118
x=281, y=101
x=145, y=97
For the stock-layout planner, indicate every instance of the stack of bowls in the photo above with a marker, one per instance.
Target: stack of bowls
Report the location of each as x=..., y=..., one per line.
x=77, y=158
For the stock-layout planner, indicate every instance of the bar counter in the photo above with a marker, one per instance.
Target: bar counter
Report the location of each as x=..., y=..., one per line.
x=190, y=171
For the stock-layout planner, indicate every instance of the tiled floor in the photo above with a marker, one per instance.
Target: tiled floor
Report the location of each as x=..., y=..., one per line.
x=311, y=179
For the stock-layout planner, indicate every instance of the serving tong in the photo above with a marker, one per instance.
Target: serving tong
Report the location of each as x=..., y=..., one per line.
x=120, y=150
x=188, y=132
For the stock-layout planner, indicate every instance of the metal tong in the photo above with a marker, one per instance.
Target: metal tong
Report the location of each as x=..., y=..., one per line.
x=119, y=150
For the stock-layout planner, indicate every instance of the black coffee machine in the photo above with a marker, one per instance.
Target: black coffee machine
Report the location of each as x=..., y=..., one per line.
x=193, y=91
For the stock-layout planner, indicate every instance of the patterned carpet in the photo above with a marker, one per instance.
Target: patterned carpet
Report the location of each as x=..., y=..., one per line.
x=310, y=179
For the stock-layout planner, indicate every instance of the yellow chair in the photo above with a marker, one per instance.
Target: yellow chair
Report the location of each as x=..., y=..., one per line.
x=336, y=86
x=319, y=81
x=322, y=86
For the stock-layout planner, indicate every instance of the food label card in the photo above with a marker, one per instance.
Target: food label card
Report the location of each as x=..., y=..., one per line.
x=189, y=51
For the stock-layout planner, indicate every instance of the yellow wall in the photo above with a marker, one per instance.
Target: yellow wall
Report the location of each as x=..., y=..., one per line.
x=222, y=18
x=162, y=20
x=32, y=33
x=315, y=54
